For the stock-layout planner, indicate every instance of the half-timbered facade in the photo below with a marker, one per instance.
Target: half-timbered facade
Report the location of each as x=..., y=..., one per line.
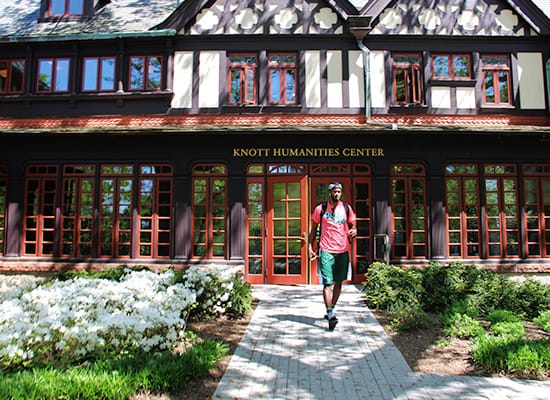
x=203, y=132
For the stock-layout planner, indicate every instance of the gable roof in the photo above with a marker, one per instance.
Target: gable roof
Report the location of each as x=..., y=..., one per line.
x=19, y=20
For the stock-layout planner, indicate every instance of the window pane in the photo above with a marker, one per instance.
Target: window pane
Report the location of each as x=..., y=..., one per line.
x=57, y=7
x=45, y=70
x=90, y=74
x=290, y=86
x=155, y=69
x=489, y=87
x=400, y=94
x=275, y=85
x=62, y=76
x=441, y=66
x=503, y=87
x=461, y=66
x=250, y=84
x=136, y=72
x=3, y=76
x=75, y=7
x=108, y=74
x=235, y=95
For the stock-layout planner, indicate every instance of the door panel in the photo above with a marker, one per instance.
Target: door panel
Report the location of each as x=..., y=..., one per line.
x=287, y=230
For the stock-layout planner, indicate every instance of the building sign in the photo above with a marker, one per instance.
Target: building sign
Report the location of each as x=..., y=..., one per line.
x=322, y=152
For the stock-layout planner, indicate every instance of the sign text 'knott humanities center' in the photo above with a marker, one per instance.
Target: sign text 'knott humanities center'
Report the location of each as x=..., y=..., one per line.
x=308, y=152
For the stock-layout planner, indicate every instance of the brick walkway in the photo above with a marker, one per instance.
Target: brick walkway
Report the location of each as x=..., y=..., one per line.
x=289, y=353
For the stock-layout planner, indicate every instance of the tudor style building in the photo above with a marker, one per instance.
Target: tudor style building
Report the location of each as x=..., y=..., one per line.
x=185, y=132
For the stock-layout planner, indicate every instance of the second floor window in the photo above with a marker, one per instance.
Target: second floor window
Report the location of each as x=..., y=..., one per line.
x=496, y=80
x=145, y=73
x=282, y=78
x=98, y=74
x=53, y=75
x=407, y=79
x=451, y=66
x=66, y=7
x=12, y=74
x=242, y=79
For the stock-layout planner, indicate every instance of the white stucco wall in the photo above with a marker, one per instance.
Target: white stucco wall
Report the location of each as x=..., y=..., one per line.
x=313, y=79
x=334, y=78
x=441, y=97
x=183, y=80
x=377, y=79
x=209, y=79
x=531, y=81
x=356, y=79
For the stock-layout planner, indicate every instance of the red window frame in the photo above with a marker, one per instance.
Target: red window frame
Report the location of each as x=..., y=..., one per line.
x=146, y=74
x=209, y=185
x=116, y=207
x=40, y=210
x=494, y=68
x=279, y=63
x=502, y=218
x=463, y=211
x=451, y=62
x=409, y=211
x=155, y=211
x=255, y=224
x=68, y=5
x=7, y=68
x=98, y=74
x=243, y=69
x=3, y=204
x=77, y=210
x=412, y=92
x=536, y=209
x=54, y=73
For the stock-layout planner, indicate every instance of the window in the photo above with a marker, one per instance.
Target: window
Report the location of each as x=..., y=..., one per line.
x=242, y=79
x=145, y=73
x=463, y=210
x=77, y=217
x=39, y=210
x=502, y=209
x=407, y=79
x=496, y=80
x=408, y=195
x=98, y=74
x=66, y=7
x=536, y=184
x=282, y=78
x=12, y=73
x=155, y=211
x=53, y=75
x=209, y=211
x=451, y=66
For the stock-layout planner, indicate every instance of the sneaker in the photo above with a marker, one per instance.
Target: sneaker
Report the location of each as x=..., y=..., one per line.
x=332, y=323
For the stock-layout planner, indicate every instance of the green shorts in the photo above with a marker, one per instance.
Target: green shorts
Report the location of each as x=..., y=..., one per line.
x=333, y=267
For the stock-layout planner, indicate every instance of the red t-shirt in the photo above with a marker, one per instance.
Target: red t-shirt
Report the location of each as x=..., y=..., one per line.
x=334, y=229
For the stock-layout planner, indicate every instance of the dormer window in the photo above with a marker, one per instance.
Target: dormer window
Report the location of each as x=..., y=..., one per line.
x=65, y=7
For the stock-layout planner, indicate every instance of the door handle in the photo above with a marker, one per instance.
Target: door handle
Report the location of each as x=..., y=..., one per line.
x=303, y=238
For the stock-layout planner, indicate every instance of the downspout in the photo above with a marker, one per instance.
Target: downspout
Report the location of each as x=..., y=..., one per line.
x=359, y=27
x=366, y=57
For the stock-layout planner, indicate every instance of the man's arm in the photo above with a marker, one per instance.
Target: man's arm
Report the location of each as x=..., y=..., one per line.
x=311, y=240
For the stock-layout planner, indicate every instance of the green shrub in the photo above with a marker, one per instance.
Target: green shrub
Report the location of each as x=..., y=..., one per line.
x=387, y=285
x=240, y=297
x=511, y=330
x=520, y=356
x=462, y=326
x=502, y=316
x=462, y=307
x=531, y=298
x=493, y=292
x=407, y=317
x=445, y=285
x=543, y=320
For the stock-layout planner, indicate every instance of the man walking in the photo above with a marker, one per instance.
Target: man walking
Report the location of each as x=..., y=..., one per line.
x=337, y=229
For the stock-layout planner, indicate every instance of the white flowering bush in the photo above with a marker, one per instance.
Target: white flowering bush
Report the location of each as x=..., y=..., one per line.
x=80, y=318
